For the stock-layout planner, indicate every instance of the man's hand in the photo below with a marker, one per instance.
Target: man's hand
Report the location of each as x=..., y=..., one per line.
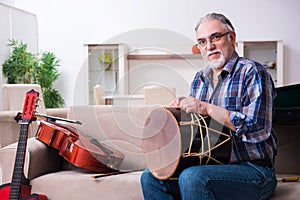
x=176, y=102
x=193, y=105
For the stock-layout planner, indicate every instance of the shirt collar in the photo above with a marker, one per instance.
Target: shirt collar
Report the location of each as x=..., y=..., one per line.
x=227, y=69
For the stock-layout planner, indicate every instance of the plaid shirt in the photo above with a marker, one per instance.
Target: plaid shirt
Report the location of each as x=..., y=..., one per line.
x=246, y=89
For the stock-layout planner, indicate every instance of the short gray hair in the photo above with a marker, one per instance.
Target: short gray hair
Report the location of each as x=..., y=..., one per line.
x=216, y=16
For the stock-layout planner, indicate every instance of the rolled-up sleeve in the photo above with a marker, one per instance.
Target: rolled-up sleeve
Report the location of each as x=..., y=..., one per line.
x=253, y=121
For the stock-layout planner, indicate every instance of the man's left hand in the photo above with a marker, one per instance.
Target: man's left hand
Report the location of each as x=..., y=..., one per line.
x=193, y=105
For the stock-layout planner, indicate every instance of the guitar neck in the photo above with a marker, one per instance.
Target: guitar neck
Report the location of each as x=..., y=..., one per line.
x=18, y=173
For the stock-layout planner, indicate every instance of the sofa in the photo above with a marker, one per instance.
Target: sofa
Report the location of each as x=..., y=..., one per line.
x=120, y=127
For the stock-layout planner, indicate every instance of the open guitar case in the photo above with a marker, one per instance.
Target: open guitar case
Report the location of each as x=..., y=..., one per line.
x=287, y=105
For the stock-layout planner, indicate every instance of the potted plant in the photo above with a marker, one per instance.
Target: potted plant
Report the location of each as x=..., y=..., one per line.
x=45, y=74
x=25, y=67
x=106, y=59
x=18, y=67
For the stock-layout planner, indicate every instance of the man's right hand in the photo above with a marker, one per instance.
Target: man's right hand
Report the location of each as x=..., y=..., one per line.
x=176, y=102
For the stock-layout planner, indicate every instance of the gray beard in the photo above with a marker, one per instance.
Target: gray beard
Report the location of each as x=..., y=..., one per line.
x=217, y=64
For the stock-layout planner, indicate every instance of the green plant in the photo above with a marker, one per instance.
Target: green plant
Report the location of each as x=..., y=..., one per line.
x=106, y=59
x=25, y=67
x=45, y=74
x=18, y=67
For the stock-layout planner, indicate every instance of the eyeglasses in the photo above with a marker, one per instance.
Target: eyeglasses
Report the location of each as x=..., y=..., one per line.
x=215, y=37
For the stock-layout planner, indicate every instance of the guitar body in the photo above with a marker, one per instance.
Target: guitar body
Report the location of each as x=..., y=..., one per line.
x=25, y=193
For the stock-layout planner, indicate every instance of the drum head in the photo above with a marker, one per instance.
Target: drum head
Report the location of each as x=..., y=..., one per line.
x=161, y=143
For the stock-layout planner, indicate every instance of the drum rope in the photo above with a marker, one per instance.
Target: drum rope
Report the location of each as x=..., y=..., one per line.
x=196, y=120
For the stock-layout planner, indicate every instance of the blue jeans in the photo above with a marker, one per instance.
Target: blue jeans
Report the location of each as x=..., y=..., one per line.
x=243, y=181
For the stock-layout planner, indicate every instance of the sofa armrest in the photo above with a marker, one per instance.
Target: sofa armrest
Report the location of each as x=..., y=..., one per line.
x=8, y=116
x=9, y=128
x=39, y=160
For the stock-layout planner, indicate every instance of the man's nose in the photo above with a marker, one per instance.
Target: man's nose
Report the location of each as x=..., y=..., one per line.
x=210, y=45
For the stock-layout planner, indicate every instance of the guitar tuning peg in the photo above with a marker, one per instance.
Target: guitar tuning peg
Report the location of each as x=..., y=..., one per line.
x=39, y=100
x=36, y=113
x=18, y=117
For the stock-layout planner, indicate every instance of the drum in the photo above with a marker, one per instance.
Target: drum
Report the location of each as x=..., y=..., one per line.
x=174, y=140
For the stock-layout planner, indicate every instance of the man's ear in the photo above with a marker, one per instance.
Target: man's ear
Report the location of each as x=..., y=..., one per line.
x=232, y=36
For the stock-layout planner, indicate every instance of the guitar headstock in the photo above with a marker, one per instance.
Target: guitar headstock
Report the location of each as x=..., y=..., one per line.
x=30, y=104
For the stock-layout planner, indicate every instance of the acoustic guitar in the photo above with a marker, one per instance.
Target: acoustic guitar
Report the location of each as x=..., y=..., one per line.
x=19, y=187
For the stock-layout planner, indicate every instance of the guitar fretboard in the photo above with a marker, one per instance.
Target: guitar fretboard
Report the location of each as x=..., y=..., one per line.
x=15, y=188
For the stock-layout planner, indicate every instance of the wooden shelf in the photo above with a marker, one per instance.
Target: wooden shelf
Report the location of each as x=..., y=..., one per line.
x=161, y=56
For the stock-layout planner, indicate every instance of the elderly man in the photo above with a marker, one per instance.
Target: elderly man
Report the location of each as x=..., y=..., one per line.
x=238, y=93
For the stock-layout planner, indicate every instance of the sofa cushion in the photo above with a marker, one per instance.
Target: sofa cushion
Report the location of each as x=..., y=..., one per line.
x=76, y=185
x=39, y=160
x=63, y=184
x=120, y=127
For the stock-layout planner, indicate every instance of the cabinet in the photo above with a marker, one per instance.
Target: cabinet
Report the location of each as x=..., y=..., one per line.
x=268, y=53
x=107, y=66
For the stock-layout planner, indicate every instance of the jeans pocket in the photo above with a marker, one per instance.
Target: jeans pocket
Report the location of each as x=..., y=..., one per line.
x=265, y=175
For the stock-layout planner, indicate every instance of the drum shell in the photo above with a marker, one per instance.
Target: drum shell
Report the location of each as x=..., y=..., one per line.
x=191, y=151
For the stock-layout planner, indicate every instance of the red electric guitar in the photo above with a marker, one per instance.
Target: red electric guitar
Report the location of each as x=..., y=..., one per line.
x=19, y=188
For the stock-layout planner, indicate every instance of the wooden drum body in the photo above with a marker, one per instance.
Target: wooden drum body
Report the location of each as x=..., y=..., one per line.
x=174, y=140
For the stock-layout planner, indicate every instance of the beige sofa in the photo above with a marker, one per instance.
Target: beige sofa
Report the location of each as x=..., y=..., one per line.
x=121, y=128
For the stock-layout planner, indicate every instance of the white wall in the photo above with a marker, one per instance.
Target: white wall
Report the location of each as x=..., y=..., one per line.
x=16, y=23
x=64, y=26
